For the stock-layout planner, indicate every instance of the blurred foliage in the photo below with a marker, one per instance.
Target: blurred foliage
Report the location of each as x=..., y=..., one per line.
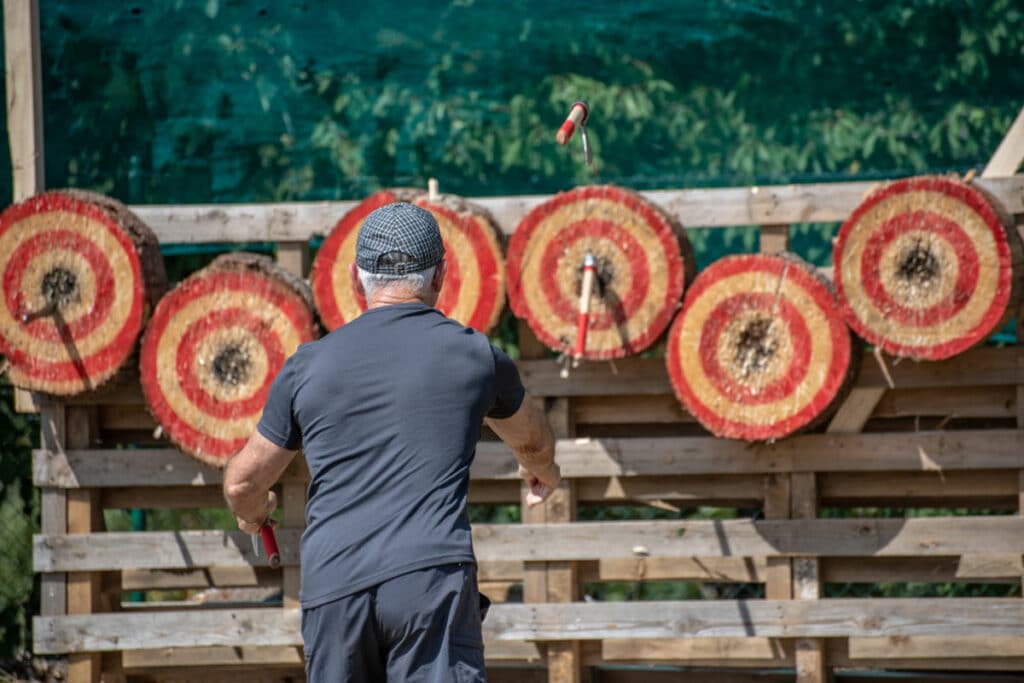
x=170, y=101
x=19, y=517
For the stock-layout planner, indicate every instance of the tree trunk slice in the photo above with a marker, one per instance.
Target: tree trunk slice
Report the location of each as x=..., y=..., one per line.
x=927, y=267
x=81, y=274
x=643, y=263
x=474, y=288
x=773, y=355
x=213, y=348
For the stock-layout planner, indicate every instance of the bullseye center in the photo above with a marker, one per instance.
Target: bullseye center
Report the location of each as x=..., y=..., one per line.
x=231, y=366
x=756, y=346
x=918, y=266
x=604, y=273
x=59, y=287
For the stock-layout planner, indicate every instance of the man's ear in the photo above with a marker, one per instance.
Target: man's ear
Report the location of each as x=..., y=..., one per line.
x=439, y=273
x=357, y=284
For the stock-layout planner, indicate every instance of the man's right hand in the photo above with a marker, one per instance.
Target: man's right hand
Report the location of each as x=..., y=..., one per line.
x=540, y=482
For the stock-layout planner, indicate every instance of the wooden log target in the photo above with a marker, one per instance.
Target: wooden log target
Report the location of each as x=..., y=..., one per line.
x=643, y=262
x=925, y=268
x=213, y=348
x=759, y=349
x=80, y=275
x=474, y=288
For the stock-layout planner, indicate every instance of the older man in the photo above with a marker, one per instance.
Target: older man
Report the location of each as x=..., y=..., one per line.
x=388, y=410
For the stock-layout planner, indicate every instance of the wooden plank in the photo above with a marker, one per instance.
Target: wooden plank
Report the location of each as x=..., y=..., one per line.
x=1010, y=152
x=23, y=78
x=156, y=467
x=982, y=366
x=778, y=571
x=155, y=550
x=254, y=627
x=633, y=377
x=207, y=577
x=945, y=489
x=126, y=417
x=213, y=656
x=638, y=409
x=766, y=651
x=610, y=457
x=166, y=497
x=53, y=508
x=828, y=618
x=936, y=647
x=84, y=516
x=705, y=207
x=989, y=401
x=293, y=505
x=854, y=412
x=965, y=569
x=568, y=542
x=689, y=490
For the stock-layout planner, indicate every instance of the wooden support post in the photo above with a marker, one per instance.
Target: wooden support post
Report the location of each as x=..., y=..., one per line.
x=774, y=238
x=24, y=116
x=54, y=510
x=1020, y=409
x=294, y=257
x=810, y=652
x=778, y=572
x=84, y=515
x=553, y=581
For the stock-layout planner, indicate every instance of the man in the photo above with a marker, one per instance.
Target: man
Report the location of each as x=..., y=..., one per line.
x=388, y=410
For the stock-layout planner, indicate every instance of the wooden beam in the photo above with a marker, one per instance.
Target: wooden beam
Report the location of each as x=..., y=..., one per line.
x=936, y=647
x=828, y=618
x=575, y=541
x=611, y=457
x=84, y=517
x=1010, y=152
x=646, y=376
x=23, y=77
x=705, y=207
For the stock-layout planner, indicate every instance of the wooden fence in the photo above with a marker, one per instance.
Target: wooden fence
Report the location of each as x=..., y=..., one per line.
x=949, y=435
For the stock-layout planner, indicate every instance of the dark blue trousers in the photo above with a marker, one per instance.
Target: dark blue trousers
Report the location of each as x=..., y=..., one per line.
x=424, y=626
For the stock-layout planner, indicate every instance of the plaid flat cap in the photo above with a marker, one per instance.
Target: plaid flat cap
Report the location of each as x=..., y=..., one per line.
x=397, y=239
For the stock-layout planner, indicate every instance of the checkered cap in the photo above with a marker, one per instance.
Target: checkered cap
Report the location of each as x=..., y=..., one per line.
x=397, y=239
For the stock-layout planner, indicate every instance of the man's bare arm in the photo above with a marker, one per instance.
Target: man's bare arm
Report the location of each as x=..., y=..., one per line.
x=529, y=435
x=247, y=480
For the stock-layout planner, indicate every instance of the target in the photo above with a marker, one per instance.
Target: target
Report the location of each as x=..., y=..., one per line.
x=759, y=349
x=474, y=287
x=213, y=348
x=80, y=276
x=642, y=263
x=924, y=268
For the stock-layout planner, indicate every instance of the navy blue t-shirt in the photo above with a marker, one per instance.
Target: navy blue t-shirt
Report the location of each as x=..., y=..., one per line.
x=388, y=410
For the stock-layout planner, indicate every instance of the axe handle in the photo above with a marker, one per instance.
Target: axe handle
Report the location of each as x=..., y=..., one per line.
x=270, y=545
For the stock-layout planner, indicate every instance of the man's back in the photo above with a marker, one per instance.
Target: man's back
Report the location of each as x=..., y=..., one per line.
x=389, y=409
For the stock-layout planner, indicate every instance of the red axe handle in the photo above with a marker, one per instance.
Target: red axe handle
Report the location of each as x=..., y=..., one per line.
x=270, y=545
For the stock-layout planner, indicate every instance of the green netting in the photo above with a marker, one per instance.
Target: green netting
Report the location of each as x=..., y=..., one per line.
x=214, y=100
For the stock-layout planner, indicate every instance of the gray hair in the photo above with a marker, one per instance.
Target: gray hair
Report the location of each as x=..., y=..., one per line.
x=417, y=283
